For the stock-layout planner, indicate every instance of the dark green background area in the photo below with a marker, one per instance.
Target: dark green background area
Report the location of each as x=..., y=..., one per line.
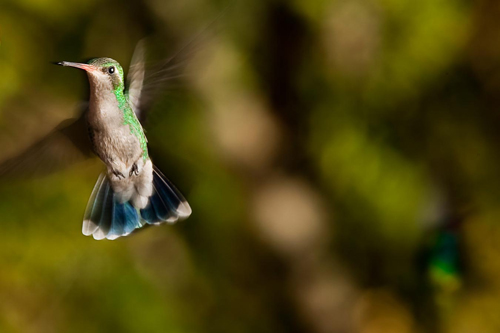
x=341, y=159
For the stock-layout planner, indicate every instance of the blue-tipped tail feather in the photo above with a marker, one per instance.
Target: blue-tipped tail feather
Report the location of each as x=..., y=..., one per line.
x=166, y=204
x=106, y=217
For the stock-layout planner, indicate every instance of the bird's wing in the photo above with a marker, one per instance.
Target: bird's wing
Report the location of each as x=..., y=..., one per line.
x=146, y=79
x=136, y=78
x=145, y=82
x=67, y=144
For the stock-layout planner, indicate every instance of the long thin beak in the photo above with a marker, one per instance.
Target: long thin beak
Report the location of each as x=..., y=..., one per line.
x=86, y=67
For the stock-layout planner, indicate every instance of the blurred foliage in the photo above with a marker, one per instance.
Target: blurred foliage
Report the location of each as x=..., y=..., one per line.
x=340, y=158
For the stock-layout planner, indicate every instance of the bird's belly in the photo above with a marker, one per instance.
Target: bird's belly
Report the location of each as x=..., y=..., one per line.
x=118, y=145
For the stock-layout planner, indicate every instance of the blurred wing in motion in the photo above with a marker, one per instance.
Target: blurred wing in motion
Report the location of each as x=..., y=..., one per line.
x=136, y=78
x=66, y=145
x=145, y=82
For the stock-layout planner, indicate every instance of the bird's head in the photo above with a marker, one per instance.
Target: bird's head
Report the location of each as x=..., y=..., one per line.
x=103, y=73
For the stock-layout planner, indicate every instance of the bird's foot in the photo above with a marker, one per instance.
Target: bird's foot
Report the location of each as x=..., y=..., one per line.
x=118, y=175
x=134, y=171
x=136, y=168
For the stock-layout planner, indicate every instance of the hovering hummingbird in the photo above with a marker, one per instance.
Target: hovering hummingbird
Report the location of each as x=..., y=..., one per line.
x=132, y=192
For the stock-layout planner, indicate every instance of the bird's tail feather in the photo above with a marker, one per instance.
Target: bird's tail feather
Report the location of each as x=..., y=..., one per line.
x=166, y=204
x=106, y=217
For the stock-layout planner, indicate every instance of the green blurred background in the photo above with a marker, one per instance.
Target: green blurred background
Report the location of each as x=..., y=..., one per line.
x=341, y=159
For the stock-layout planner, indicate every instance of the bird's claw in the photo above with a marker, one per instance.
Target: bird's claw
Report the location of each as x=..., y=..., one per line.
x=134, y=171
x=118, y=174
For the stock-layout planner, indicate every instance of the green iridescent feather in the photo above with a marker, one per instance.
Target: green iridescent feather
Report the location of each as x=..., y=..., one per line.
x=129, y=118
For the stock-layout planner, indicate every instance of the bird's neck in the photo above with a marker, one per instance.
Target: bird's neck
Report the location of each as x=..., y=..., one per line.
x=106, y=106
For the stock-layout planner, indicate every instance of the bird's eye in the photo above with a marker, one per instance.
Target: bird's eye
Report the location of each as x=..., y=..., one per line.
x=111, y=70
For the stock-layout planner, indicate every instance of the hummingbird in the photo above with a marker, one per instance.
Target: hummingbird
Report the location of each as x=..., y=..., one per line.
x=132, y=192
